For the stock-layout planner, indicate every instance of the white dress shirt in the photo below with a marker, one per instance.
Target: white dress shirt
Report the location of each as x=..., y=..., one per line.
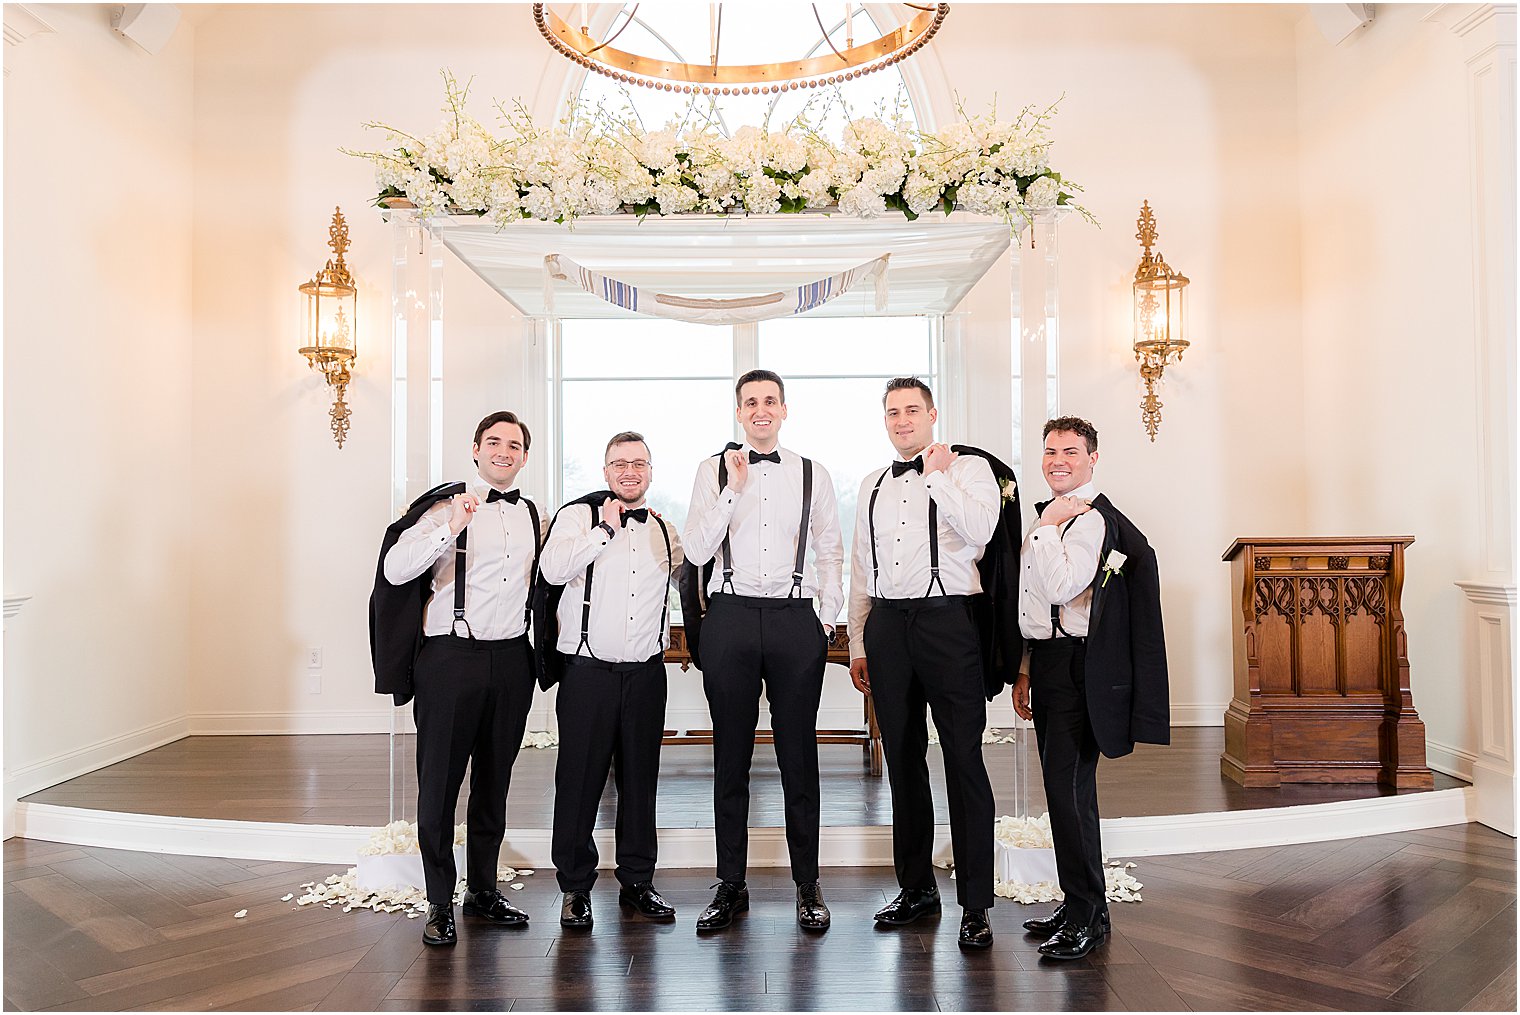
x=762, y=522
x=1059, y=564
x=629, y=585
x=498, y=566
x=967, y=500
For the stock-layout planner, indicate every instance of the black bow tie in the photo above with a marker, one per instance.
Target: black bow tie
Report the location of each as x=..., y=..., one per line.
x=774, y=457
x=510, y=496
x=635, y=514
x=917, y=465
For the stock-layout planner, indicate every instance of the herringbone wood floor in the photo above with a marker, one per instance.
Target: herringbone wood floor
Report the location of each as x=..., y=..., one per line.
x=1418, y=921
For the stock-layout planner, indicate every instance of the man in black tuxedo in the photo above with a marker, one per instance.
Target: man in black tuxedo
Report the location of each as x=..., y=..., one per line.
x=921, y=527
x=473, y=677
x=1090, y=609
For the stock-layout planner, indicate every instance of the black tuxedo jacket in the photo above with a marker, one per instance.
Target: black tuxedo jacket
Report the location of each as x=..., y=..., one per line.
x=395, y=611
x=548, y=661
x=1126, y=676
x=996, y=609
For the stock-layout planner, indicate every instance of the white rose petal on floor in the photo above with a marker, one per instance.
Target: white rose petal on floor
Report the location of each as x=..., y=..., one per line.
x=388, y=877
x=1026, y=865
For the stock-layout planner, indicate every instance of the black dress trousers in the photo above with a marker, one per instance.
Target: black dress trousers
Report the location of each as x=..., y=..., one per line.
x=925, y=652
x=1069, y=761
x=780, y=643
x=611, y=717
x=471, y=707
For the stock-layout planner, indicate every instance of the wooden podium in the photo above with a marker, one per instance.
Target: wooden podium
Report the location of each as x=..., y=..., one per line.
x=1321, y=665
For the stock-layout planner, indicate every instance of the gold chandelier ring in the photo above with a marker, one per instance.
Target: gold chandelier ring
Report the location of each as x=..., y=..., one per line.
x=740, y=79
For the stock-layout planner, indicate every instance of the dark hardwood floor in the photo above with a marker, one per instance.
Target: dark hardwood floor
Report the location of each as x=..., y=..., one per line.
x=343, y=780
x=1417, y=921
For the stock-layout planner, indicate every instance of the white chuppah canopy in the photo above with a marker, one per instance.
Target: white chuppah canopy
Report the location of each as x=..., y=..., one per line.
x=934, y=261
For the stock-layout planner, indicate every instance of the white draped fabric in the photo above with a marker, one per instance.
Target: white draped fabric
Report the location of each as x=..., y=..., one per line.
x=934, y=261
x=732, y=310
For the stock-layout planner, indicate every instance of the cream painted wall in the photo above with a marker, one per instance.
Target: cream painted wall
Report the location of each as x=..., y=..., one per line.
x=98, y=482
x=1392, y=441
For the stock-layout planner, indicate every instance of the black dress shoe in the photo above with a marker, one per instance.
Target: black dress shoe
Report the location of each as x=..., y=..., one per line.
x=575, y=911
x=976, y=932
x=911, y=904
x=1073, y=941
x=732, y=898
x=648, y=902
x=491, y=905
x=1044, y=926
x=439, y=928
x=812, y=913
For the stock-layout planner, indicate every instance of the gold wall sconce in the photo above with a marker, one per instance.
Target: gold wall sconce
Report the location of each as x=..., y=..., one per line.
x=1160, y=318
x=329, y=331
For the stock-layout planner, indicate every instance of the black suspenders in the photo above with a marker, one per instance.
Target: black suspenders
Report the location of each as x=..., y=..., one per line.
x=460, y=542
x=934, y=578
x=1055, y=608
x=802, y=531
x=585, y=641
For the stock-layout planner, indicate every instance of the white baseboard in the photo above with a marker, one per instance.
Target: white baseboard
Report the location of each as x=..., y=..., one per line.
x=358, y=720
x=60, y=767
x=694, y=847
x=1209, y=713
x=1278, y=826
x=1452, y=761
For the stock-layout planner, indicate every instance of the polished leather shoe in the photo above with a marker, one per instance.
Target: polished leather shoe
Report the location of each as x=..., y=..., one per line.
x=732, y=898
x=976, y=932
x=646, y=901
x=439, y=928
x=575, y=911
x=1073, y=941
x=911, y=904
x=492, y=905
x=1043, y=927
x=812, y=913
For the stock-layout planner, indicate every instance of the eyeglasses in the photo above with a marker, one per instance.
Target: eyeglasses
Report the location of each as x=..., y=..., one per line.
x=623, y=465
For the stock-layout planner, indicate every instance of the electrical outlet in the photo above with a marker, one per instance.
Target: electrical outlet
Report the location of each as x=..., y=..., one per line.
x=313, y=681
x=314, y=657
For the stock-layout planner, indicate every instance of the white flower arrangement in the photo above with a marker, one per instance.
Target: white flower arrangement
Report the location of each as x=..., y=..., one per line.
x=594, y=163
x=1008, y=489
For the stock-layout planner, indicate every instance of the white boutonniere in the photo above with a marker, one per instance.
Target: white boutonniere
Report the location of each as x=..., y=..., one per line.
x=1112, y=565
x=1009, y=489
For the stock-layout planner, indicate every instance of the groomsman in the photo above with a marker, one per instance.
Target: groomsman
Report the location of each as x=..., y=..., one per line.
x=474, y=677
x=615, y=558
x=1090, y=607
x=761, y=628
x=921, y=525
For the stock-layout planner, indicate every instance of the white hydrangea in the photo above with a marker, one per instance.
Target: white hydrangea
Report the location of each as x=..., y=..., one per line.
x=862, y=202
x=674, y=198
x=1042, y=193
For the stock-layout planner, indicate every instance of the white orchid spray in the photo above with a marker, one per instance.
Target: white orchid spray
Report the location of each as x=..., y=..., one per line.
x=600, y=162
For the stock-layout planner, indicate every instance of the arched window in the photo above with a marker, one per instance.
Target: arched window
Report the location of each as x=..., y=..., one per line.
x=749, y=34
